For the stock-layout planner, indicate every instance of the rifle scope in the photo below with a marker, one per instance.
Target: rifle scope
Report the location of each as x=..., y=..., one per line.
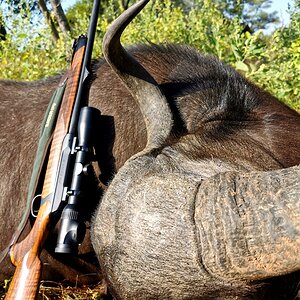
x=72, y=227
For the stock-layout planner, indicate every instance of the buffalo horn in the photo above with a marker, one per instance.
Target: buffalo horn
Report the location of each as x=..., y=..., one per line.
x=141, y=84
x=249, y=224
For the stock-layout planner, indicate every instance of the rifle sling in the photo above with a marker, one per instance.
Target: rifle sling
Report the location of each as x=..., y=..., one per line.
x=45, y=139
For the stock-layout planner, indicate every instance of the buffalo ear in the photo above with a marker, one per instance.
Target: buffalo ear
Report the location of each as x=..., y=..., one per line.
x=140, y=83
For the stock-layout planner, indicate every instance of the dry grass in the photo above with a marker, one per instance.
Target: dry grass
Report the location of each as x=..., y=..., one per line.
x=57, y=291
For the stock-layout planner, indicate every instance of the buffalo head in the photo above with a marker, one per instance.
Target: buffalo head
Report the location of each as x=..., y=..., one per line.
x=206, y=210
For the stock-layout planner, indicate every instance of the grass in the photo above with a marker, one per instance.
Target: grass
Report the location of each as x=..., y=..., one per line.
x=50, y=290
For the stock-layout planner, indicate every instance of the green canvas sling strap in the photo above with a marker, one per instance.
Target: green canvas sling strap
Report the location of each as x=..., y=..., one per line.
x=45, y=139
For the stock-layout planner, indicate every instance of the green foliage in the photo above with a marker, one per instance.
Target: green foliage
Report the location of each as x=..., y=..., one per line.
x=279, y=68
x=21, y=6
x=34, y=59
x=251, y=12
x=28, y=52
x=271, y=61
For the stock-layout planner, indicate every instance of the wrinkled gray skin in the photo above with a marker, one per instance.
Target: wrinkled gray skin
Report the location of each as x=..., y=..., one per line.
x=178, y=224
x=169, y=225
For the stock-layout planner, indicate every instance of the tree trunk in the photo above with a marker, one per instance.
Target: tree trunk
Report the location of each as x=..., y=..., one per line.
x=46, y=13
x=60, y=16
x=2, y=28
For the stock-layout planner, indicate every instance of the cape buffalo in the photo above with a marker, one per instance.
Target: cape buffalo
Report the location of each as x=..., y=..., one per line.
x=205, y=201
x=209, y=208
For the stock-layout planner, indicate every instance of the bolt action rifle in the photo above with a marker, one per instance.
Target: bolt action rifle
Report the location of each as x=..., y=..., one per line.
x=64, y=181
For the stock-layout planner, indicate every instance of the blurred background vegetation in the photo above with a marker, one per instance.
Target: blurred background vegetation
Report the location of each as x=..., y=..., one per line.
x=36, y=36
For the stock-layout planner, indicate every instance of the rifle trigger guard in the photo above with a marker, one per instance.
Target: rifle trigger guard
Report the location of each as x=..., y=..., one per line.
x=31, y=206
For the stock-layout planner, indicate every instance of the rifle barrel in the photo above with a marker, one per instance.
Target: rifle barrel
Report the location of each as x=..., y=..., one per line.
x=86, y=63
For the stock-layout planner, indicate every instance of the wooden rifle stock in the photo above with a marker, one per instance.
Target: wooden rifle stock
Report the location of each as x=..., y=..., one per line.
x=25, y=254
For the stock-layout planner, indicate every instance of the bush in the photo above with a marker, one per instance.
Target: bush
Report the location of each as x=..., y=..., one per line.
x=272, y=62
x=279, y=71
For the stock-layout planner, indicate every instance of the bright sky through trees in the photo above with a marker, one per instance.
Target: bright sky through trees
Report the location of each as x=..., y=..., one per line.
x=281, y=6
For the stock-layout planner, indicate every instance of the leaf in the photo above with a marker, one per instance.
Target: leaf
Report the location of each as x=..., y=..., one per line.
x=6, y=283
x=22, y=35
x=239, y=65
